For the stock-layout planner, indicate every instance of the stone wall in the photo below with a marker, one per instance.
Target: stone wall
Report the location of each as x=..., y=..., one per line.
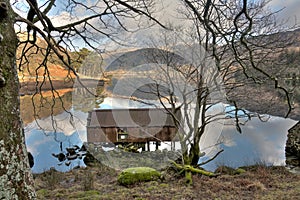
x=292, y=149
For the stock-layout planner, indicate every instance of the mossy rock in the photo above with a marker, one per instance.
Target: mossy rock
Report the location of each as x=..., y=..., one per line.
x=134, y=175
x=239, y=171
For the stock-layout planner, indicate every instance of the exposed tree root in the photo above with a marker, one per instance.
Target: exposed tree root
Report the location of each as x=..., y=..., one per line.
x=188, y=170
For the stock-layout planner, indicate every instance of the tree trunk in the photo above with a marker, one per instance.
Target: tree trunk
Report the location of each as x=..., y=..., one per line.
x=194, y=154
x=15, y=177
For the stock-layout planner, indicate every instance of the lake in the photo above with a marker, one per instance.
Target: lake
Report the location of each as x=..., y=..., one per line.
x=61, y=128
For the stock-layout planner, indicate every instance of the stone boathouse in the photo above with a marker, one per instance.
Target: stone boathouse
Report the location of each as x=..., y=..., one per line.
x=134, y=125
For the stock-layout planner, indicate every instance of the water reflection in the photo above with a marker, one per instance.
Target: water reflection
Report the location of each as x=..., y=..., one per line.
x=54, y=131
x=260, y=142
x=43, y=105
x=42, y=146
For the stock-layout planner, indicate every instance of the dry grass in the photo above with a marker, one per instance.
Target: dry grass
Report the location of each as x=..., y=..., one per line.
x=99, y=182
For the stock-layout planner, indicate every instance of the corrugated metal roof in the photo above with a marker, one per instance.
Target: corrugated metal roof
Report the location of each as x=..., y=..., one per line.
x=133, y=117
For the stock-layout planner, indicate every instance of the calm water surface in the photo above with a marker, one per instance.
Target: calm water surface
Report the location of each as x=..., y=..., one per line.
x=260, y=142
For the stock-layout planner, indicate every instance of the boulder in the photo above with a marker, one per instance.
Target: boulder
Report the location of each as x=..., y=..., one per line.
x=89, y=159
x=292, y=148
x=134, y=175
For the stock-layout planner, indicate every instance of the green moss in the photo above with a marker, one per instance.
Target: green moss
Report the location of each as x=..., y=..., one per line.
x=137, y=174
x=239, y=171
x=42, y=193
x=229, y=170
x=151, y=188
x=163, y=185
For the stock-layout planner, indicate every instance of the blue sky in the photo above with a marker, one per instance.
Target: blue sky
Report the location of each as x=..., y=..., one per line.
x=290, y=10
x=291, y=7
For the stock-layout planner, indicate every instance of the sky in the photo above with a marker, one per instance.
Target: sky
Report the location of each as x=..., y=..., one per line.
x=166, y=11
x=290, y=7
x=290, y=10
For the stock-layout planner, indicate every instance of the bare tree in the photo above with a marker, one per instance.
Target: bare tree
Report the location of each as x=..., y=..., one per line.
x=95, y=21
x=245, y=35
x=230, y=45
x=86, y=24
x=243, y=38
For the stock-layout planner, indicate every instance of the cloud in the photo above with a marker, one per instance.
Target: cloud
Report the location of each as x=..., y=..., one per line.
x=60, y=123
x=63, y=18
x=290, y=9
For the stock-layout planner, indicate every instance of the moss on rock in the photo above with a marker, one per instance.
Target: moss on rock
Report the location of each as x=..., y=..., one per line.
x=137, y=174
x=239, y=171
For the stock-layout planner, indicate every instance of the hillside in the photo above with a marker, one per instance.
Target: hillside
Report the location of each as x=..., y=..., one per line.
x=32, y=68
x=263, y=97
x=260, y=98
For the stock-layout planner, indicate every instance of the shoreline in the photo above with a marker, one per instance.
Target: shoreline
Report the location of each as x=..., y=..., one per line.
x=33, y=87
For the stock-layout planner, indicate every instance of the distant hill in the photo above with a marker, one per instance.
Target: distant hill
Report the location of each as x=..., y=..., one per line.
x=30, y=69
x=264, y=98
x=294, y=35
x=130, y=59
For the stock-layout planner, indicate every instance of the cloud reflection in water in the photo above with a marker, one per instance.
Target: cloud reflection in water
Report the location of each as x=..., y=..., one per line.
x=260, y=142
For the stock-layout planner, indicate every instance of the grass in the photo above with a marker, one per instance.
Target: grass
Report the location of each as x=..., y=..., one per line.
x=99, y=182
